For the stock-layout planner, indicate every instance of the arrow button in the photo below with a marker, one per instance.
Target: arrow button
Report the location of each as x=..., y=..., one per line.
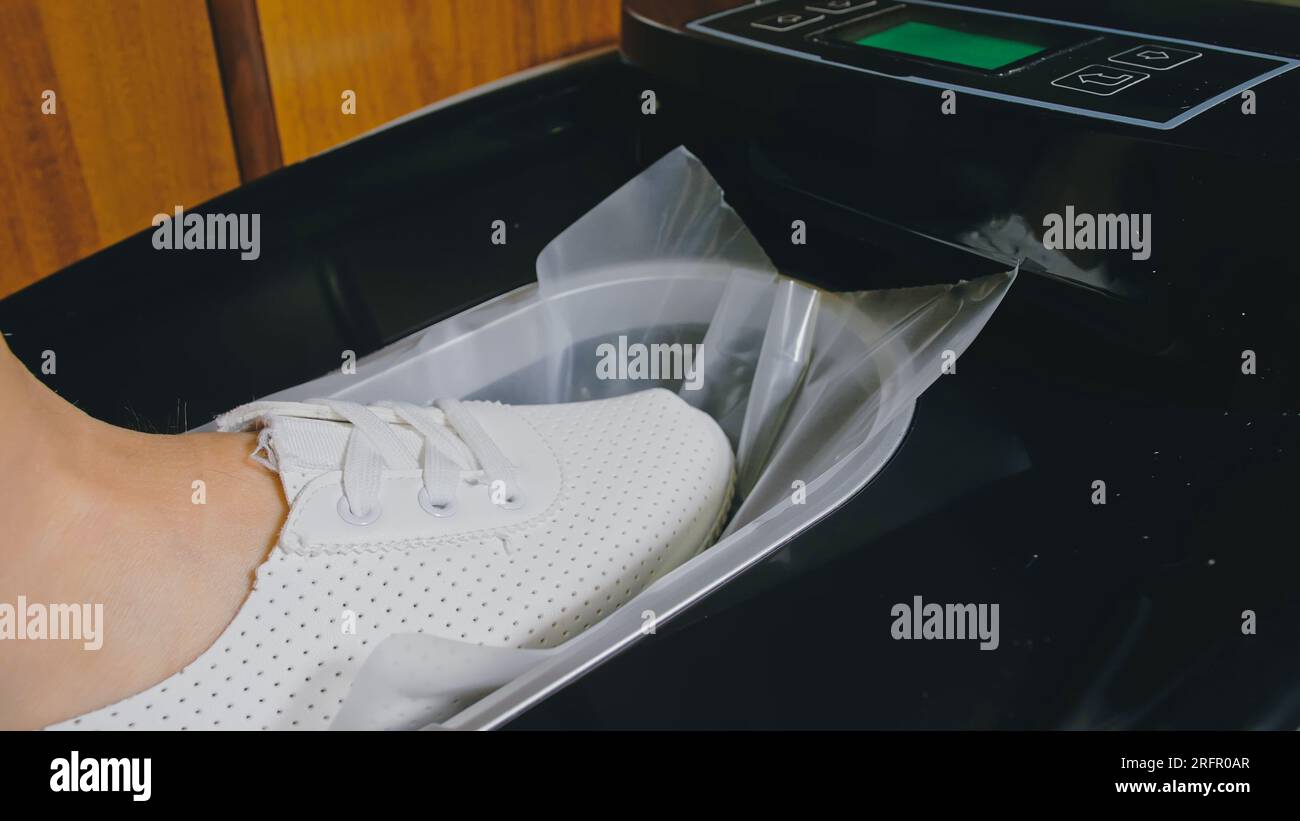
x=1159, y=58
x=1100, y=80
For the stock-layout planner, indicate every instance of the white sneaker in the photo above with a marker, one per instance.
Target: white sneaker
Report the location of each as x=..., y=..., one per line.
x=489, y=524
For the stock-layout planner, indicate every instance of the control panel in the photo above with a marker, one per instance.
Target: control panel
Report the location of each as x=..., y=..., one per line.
x=1132, y=77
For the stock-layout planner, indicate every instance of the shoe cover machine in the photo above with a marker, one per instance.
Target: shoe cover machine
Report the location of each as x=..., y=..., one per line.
x=894, y=162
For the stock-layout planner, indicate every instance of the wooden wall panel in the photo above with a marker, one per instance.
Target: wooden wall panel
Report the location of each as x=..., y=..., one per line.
x=398, y=55
x=141, y=125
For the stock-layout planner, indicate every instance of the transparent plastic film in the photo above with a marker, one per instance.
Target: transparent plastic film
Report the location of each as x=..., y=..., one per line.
x=662, y=285
x=875, y=353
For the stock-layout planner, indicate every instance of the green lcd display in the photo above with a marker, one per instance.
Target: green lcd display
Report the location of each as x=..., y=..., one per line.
x=950, y=45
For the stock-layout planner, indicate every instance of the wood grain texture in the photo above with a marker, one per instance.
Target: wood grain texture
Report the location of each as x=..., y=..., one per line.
x=399, y=55
x=140, y=126
x=242, y=61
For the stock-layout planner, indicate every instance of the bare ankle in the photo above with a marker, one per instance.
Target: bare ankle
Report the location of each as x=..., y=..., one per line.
x=165, y=532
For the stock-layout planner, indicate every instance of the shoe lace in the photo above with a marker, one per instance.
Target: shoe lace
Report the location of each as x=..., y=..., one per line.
x=455, y=446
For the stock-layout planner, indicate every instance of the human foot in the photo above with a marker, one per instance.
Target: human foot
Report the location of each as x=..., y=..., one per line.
x=163, y=532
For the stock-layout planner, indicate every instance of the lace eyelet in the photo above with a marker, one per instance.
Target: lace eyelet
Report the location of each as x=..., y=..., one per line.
x=440, y=511
x=513, y=502
x=370, y=517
